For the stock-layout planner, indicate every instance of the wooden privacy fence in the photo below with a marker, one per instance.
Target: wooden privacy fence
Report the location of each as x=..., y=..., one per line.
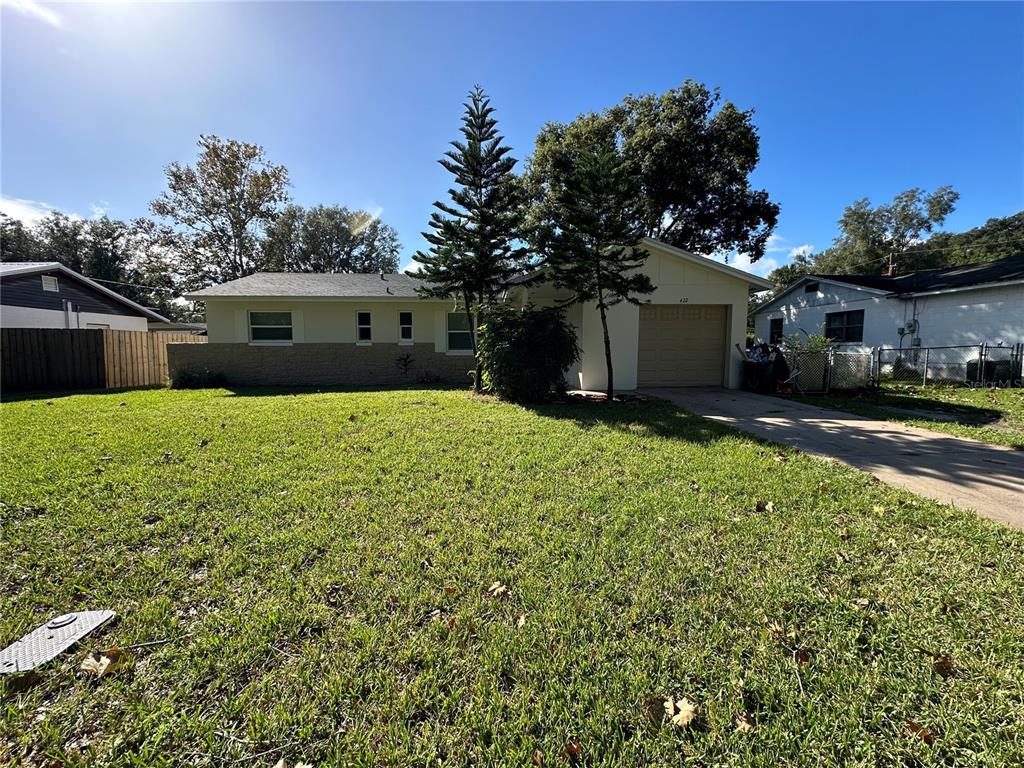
x=54, y=358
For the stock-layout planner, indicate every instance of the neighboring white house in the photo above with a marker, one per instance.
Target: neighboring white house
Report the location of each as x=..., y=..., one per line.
x=358, y=329
x=963, y=305
x=46, y=294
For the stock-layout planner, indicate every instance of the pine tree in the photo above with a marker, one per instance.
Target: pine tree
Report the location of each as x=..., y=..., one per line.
x=591, y=238
x=474, y=243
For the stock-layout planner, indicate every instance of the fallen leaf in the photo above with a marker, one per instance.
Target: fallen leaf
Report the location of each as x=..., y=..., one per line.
x=878, y=509
x=844, y=533
x=695, y=486
x=449, y=590
x=802, y=656
x=102, y=663
x=572, y=748
x=282, y=763
x=497, y=590
x=921, y=732
x=943, y=665
x=681, y=712
x=521, y=621
x=537, y=758
x=744, y=722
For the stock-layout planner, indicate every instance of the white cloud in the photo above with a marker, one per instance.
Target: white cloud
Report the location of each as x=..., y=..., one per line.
x=761, y=267
x=774, y=244
x=801, y=250
x=27, y=211
x=412, y=266
x=34, y=10
x=98, y=211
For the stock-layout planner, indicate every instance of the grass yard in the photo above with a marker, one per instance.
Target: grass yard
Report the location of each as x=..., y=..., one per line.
x=989, y=414
x=420, y=578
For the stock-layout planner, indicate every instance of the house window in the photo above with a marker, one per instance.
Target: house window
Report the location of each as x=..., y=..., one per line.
x=50, y=284
x=775, y=330
x=812, y=287
x=364, y=329
x=270, y=326
x=459, y=335
x=405, y=327
x=845, y=327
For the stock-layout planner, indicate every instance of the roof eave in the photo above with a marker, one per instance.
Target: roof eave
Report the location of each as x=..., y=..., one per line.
x=958, y=288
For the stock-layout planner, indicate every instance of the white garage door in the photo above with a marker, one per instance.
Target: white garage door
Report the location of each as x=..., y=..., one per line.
x=681, y=345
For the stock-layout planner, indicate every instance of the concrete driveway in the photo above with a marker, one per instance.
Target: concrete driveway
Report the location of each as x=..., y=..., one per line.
x=986, y=478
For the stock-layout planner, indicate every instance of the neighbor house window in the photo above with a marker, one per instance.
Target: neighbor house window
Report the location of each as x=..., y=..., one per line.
x=405, y=327
x=812, y=287
x=270, y=326
x=50, y=284
x=845, y=326
x=459, y=336
x=775, y=331
x=364, y=329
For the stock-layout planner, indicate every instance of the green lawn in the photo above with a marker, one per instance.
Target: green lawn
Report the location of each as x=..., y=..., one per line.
x=322, y=565
x=989, y=414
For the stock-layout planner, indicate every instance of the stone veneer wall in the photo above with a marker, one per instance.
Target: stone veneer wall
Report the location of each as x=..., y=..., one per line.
x=319, y=364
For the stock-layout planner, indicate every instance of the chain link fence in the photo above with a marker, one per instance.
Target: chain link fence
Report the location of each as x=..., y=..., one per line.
x=958, y=365
x=831, y=370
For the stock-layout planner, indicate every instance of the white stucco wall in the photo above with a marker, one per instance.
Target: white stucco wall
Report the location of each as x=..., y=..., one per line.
x=331, y=321
x=30, y=317
x=963, y=317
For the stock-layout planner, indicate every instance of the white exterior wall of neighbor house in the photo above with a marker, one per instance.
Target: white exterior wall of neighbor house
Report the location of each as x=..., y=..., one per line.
x=316, y=321
x=989, y=315
x=946, y=319
x=806, y=312
x=30, y=317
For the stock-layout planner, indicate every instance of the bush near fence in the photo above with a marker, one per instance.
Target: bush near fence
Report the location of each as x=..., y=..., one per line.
x=41, y=359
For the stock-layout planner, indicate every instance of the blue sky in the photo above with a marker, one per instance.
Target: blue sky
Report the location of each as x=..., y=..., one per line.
x=358, y=101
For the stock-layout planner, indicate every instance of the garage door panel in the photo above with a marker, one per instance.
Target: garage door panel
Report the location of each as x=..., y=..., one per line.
x=681, y=345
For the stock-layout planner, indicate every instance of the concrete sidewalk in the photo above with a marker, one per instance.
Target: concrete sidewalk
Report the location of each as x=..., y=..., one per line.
x=986, y=478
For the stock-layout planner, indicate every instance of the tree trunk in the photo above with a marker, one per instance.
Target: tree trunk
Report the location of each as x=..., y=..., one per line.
x=607, y=345
x=471, y=317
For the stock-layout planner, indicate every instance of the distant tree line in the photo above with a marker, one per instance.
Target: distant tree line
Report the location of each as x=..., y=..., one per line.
x=225, y=217
x=899, y=237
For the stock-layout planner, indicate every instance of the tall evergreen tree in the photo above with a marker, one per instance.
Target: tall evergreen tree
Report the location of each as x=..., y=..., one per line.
x=592, y=233
x=474, y=240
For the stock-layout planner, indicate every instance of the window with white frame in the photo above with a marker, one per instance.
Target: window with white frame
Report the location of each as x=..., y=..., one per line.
x=270, y=327
x=459, y=334
x=364, y=327
x=405, y=327
x=50, y=284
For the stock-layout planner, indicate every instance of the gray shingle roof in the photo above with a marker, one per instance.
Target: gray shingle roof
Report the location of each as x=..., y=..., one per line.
x=314, y=285
x=944, y=278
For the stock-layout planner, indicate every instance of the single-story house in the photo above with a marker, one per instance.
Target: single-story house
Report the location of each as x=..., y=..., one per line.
x=965, y=305
x=46, y=294
x=360, y=329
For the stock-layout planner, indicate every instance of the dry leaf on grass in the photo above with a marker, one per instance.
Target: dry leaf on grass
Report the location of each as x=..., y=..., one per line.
x=521, y=621
x=497, y=589
x=282, y=763
x=102, y=663
x=537, y=758
x=744, y=722
x=572, y=748
x=943, y=665
x=682, y=712
x=921, y=732
x=844, y=534
x=449, y=590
